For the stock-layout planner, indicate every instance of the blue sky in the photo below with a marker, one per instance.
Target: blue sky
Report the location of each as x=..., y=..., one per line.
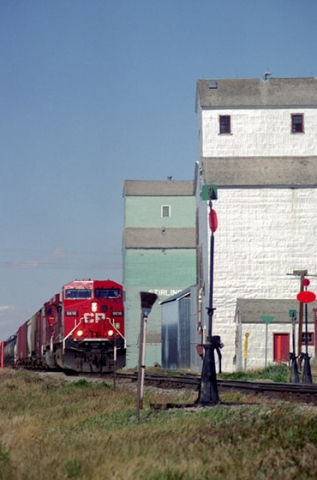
x=96, y=92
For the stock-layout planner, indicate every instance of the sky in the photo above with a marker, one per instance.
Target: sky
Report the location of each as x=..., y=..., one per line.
x=96, y=92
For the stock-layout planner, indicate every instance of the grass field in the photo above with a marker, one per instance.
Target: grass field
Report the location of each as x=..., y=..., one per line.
x=53, y=428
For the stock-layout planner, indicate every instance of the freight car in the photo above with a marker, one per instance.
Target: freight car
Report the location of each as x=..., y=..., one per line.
x=81, y=329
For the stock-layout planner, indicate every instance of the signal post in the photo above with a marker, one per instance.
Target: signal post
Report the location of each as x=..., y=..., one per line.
x=2, y=355
x=208, y=390
x=305, y=297
x=147, y=301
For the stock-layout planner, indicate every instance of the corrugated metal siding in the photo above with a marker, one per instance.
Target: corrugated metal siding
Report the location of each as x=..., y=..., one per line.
x=184, y=333
x=195, y=338
x=179, y=334
x=170, y=336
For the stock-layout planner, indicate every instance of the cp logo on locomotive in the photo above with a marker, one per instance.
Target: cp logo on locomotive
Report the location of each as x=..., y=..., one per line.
x=90, y=317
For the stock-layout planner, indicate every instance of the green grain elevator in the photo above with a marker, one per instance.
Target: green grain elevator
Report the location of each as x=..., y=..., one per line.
x=159, y=254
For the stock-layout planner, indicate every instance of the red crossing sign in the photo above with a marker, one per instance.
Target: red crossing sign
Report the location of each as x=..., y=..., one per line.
x=306, y=296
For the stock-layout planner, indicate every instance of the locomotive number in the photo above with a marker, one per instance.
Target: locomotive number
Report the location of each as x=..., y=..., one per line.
x=94, y=317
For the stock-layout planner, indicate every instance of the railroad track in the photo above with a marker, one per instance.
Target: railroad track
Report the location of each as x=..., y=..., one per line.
x=305, y=393
x=291, y=391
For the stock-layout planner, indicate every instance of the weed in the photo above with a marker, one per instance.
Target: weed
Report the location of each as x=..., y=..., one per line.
x=82, y=383
x=73, y=468
x=85, y=430
x=4, y=455
x=275, y=373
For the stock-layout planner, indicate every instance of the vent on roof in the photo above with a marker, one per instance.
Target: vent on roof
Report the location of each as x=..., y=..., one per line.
x=266, y=76
x=212, y=84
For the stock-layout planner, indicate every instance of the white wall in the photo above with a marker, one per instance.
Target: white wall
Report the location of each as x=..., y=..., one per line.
x=257, y=132
x=263, y=235
x=257, y=343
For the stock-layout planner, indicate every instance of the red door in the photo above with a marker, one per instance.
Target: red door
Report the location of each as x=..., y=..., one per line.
x=281, y=347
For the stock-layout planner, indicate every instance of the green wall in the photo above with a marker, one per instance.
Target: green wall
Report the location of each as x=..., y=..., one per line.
x=145, y=212
x=165, y=274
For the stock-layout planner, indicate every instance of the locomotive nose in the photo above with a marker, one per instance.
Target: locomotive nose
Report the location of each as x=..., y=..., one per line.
x=94, y=307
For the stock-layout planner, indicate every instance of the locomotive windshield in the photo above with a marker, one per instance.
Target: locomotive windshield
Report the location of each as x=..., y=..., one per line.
x=107, y=293
x=78, y=293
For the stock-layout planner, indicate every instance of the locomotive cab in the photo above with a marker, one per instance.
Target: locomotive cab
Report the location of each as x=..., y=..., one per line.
x=93, y=327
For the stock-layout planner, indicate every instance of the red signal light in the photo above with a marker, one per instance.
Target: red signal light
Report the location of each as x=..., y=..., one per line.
x=305, y=282
x=213, y=220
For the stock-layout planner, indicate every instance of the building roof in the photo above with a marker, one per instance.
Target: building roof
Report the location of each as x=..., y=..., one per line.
x=269, y=172
x=254, y=92
x=158, y=238
x=178, y=296
x=158, y=188
x=251, y=310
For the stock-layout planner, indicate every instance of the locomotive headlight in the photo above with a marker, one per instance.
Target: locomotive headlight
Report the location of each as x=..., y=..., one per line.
x=94, y=306
x=80, y=333
x=110, y=333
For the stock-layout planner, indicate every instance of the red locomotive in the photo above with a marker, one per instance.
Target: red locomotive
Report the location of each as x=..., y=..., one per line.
x=80, y=329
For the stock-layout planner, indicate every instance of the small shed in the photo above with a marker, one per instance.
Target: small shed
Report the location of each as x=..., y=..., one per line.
x=266, y=332
x=179, y=331
x=176, y=331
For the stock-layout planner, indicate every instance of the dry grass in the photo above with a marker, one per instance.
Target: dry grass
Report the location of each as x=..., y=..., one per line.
x=55, y=429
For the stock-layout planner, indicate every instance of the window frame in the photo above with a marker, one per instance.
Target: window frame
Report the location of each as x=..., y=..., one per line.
x=311, y=338
x=293, y=123
x=78, y=294
x=226, y=125
x=106, y=293
x=163, y=207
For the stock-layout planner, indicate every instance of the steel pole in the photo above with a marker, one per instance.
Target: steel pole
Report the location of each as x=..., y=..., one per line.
x=300, y=324
x=208, y=391
x=307, y=376
x=306, y=328
x=2, y=354
x=143, y=360
x=266, y=342
x=115, y=363
x=211, y=287
x=141, y=367
x=294, y=378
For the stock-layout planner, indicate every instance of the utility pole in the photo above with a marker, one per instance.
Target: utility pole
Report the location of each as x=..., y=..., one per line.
x=147, y=301
x=208, y=389
x=306, y=297
x=294, y=378
x=301, y=274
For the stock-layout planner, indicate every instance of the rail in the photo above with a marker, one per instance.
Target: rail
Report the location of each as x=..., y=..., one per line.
x=193, y=381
